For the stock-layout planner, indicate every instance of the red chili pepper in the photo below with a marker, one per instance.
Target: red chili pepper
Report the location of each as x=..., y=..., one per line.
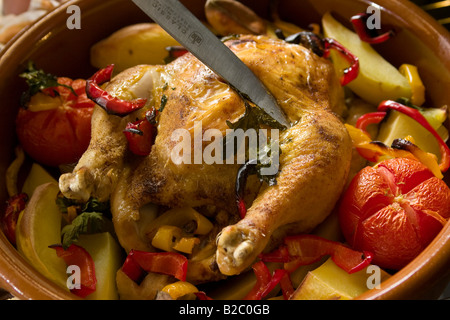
x=416, y=115
x=176, y=52
x=286, y=286
x=265, y=282
x=369, y=118
x=241, y=180
x=307, y=249
x=170, y=263
x=359, y=22
x=140, y=136
x=132, y=269
x=111, y=104
x=14, y=206
x=76, y=255
x=351, y=72
x=281, y=254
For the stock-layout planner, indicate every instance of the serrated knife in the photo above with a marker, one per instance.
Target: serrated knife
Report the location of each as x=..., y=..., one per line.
x=184, y=27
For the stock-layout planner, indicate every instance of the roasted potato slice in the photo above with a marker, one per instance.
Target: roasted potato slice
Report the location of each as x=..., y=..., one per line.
x=143, y=43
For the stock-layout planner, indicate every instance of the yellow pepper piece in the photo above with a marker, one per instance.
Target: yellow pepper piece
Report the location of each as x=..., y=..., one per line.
x=170, y=238
x=204, y=226
x=375, y=152
x=179, y=289
x=186, y=244
x=166, y=237
x=181, y=217
x=417, y=88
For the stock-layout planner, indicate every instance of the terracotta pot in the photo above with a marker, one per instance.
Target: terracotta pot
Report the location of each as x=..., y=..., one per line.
x=56, y=49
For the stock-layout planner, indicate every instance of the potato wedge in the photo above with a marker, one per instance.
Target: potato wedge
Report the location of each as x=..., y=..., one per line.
x=38, y=227
x=107, y=256
x=329, y=282
x=143, y=43
x=378, y=80
x=37, y=176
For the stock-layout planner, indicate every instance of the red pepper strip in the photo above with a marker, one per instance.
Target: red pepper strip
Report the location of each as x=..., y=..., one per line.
x=176, y=51
x=201, y=295
x=307, y=249
x=132, y=269
x=76, y=255
x=359, y=22
x=416, y=115
x=286, y=286
x=369, y=118
x=351, y=72
x=265, y=282
x=14, y=206
x=111, y=104
x=140, y=136
x=170, y=263
x=279, y=255
x=241, y=181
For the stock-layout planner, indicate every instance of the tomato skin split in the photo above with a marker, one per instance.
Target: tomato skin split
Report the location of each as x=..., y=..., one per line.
x=394, y=210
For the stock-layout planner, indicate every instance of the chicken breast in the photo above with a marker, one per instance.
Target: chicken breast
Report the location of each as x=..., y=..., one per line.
x=313, y=165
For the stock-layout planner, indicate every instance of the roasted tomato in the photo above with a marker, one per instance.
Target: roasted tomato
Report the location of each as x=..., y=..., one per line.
x=55, y=126
x=394, y=210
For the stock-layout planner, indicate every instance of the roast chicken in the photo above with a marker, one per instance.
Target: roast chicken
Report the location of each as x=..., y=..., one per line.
x=314, y=161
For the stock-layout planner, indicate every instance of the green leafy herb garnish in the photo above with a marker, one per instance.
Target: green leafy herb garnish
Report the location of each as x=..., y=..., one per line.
x=38, y=80
x=90, y=218
x=256, y=118
x=85, y=223
x=164, y=100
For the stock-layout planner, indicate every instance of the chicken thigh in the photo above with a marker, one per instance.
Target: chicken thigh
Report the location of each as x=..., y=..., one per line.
x=313, y=164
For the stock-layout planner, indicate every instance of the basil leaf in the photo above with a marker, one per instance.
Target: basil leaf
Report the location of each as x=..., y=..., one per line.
x=85, y=223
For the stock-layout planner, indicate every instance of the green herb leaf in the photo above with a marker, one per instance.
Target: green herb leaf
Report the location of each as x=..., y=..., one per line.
x=92, y=205
x=254, y=118
x=85, y=223
x=38, y=80
x=164, y=100
x=407, y=102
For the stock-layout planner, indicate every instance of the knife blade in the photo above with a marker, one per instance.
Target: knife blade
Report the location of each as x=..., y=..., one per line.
x=184, y=27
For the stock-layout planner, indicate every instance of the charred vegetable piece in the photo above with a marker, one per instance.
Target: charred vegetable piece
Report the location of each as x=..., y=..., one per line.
x=14, y=206
x=110, y=104
x=309, y=40
x=351, y=72
x=359, y=22
x=414, y=114
x=141, y=136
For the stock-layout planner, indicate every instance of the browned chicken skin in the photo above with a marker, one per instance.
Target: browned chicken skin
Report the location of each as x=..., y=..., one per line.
x=314, y=163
